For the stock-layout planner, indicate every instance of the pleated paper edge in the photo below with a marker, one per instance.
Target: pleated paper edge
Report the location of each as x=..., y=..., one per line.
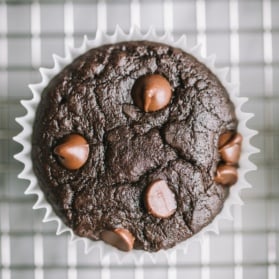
x=26, y=121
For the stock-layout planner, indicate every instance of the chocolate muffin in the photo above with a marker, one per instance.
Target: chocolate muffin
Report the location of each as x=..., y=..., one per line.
x=136, y=143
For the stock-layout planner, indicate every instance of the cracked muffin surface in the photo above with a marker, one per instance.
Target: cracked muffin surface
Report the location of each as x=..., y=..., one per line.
x=129, y=148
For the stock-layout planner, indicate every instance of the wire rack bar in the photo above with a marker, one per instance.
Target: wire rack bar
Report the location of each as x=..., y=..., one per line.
x=47, y=233
x=102, y=15
x=200, y=266
x=135, y=13
x=235, y=78
x=72, y=260
x=38, y=256
x=268, y=85
x=168, y=15
x=201, y=25
x=35, y=33
x=147, y=266
x=68, y=23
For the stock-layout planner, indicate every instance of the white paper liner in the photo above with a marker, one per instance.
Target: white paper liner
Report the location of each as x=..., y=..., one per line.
x=24, y=138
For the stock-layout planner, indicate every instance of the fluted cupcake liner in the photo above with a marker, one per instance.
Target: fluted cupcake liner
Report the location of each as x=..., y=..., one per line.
x=26, y=121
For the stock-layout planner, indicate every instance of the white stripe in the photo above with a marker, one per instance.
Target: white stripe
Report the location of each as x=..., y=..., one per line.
x=268, y=86
x=238, y=243
x=172, y=260
x=38, y=251
x=168, y=15
x=35, y=32
x=69, y=23
x=138, y=272
x=68, y=18
x=267, y=31
x=272, y=271
x=267, y=42
x=234, y=42
x=102, y=15
x=234, y=15
x=238, y=272
x=72, y=260
x=72, y=254
x=38, y=273
x=3, y=37
x=6, y=273
x=205, y=258
x=272, y=255
x=234, y=46
x=36, y=51
x=201, y=25
x=267, y=23
x=72, y=273
x=6, y=250
x=135, y=13
x=105, y=269
x=35, y=19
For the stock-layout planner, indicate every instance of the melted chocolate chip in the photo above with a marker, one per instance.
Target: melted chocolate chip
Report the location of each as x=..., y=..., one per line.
x=151, y=92
x=160, y=200
x=72, y=152
x=119, y=238
x=225, y=138
x=226, y=175
x=230, y=151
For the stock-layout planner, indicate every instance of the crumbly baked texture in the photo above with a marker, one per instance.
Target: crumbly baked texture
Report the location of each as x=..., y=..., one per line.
x=130, y=148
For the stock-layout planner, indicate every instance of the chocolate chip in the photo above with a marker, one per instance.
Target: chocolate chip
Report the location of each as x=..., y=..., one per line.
x=237, y=138
x=224, y=138
x=230, y=152
x=226, y=175
x=160, y=200
x=119, y=238
x=151, y=92
x=72, y=152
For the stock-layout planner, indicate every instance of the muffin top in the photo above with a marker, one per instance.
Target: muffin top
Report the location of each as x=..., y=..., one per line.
x=128, y=145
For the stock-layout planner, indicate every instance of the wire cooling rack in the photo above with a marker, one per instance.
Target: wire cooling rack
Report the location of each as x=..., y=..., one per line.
x=243, y=34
